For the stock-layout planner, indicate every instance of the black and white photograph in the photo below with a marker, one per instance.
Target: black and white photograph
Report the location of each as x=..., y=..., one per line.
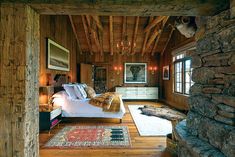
x=135, y=73
x=166, y=73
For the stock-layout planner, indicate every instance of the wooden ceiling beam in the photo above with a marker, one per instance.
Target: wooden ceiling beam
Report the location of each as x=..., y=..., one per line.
x=168, y=39
x=155, y=33
x=135, y=35
x=94, y=33
x=128, y=7
x=111, y=34
x=146, y=37
x=124, y=18
x=155, y=45
x=164, y=21
x=154, y=23
x=100, y=37
x=98, y=23
x=75, y=33
x=97, y=43
x=87, y=34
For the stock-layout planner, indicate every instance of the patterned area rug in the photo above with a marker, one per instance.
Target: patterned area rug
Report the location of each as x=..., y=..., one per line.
x=91, y=136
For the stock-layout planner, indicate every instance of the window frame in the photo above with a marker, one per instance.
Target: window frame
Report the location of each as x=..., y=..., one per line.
x=183, y=57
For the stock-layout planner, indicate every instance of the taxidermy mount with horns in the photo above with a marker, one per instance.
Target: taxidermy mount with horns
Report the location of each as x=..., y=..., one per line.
x=186, y=25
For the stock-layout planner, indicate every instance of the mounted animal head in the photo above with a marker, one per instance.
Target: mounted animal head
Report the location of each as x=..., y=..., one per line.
x=186, y=25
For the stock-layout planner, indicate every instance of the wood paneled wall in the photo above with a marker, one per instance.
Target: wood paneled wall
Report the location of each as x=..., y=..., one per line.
x=57, y=28
x=109, y=61
x=176, y=100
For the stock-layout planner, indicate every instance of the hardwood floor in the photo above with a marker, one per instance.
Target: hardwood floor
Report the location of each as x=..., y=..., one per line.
x=141, y=146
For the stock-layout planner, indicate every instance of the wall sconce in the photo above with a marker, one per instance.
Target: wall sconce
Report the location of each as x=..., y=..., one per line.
x=153, y=69
x=118, y=69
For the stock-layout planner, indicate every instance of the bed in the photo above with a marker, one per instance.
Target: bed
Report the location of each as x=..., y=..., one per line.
x=82, y=107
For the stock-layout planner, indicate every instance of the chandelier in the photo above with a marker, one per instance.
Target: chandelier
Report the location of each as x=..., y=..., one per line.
x=124, y=46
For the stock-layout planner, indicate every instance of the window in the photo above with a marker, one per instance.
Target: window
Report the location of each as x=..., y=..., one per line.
x=182, y=72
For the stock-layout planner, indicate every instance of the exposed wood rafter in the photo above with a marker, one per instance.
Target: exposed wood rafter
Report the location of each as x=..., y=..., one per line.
x=111, y=34
x=100, y=35
x=135, y=35
x=164, y=21
x=75, y=33
x=87, y=34
x=94, y=33
x=100, y=32
x=155, y=45
x=155, y=33
x=146, y=37
x=154, y=23
x=123, y=30
x=98, y=23
x=168, y=39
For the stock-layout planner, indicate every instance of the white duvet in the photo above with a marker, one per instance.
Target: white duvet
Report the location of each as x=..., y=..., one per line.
x=82, y=108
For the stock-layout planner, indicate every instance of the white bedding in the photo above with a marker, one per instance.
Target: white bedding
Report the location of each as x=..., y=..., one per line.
x=82, y=108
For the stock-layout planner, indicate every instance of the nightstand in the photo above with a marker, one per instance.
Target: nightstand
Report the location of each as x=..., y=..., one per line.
x=48, y=118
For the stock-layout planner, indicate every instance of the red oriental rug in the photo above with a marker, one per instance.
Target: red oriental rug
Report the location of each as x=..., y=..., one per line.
x=91, y=136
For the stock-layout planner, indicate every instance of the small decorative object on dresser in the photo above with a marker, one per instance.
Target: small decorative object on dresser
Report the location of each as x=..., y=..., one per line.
x=49, y=117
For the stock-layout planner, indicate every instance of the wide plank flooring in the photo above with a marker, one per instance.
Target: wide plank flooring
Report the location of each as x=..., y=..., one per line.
x=141, y=146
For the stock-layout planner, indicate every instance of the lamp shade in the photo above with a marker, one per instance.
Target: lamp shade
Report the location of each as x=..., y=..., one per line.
x=45, y=92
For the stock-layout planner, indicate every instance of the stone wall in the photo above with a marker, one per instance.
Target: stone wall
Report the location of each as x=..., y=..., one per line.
x=211, y=119
x=19, y=68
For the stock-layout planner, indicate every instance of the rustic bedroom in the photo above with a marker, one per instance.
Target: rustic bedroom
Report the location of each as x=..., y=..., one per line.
x=117, y=78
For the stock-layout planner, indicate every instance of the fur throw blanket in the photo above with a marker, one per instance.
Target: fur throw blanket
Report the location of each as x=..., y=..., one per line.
x=110, y=102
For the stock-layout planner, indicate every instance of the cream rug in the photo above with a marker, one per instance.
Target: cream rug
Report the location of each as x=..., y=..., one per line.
x=149, y=125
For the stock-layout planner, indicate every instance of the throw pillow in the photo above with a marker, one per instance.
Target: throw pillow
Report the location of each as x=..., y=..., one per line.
x=70, y=91
x=82, y=90
x=90, y=92
x=78, y=93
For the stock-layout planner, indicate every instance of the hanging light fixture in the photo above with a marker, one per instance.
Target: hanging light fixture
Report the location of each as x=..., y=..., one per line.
x=124, y=47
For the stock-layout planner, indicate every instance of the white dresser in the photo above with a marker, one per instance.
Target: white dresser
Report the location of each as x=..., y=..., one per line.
x=138, y=92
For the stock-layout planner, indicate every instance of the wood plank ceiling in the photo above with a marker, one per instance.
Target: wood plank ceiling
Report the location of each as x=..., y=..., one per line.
x=146, y=25
x=99, y=34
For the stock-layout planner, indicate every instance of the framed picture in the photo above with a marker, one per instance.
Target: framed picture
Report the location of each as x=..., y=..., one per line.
x=166, y=73
x=57, y=56
x=135, y=73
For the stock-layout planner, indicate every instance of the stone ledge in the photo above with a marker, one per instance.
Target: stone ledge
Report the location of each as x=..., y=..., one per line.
x=191, y=146
x=217, y=134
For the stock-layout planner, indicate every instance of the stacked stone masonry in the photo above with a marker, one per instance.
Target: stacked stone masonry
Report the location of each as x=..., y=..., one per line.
x=211, y=118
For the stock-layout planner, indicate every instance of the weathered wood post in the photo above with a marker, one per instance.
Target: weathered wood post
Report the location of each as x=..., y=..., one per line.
x=19, y=68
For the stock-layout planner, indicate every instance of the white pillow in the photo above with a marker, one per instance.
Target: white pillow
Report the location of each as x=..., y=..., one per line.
x=83, y=85
x=82, y=90
x=70, y=91
x=78, y=92
x=60, y=94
